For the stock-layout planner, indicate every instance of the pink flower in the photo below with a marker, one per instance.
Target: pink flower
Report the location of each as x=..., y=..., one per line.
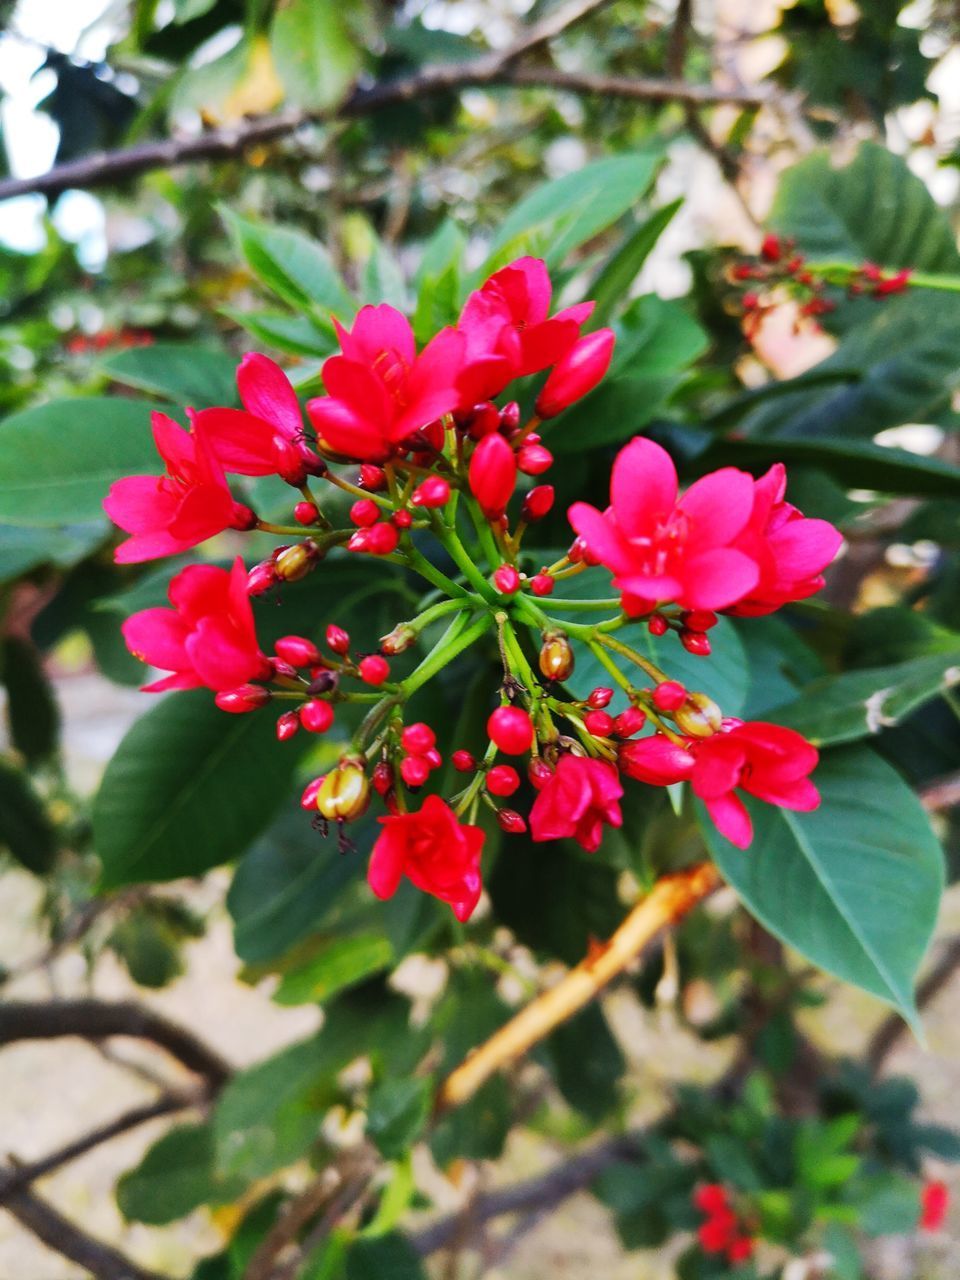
x=380, y=392
x=661, y=548
x=266, y=436
x=576, y=801
x=934, y=1205
x=509, y=332
x=436, y=852
x=790, y=551
x=168, y=514
x=207, y=638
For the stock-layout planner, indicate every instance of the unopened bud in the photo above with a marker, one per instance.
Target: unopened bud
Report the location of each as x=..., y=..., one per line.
x=294, y=563
x=261, y=578
x=699, y=619
x=316, y=717
x=289, y=461
x=511, y=822
x=534, y=459
x=669, y=695
x=492, y=475
x=481, y=420
x=657, y=625
x=398, y=640
x=510, y=416
x=464, y=761
x=382, y=778
x=629, y=722
x=401, y=519
x=345, y=792
x=556, y=656
x=699, y=717
x=246, y=697
x=433, y=492
x=306, y=513
x=323, y=681
x=599, y=723
x=364, y=513
x=244, y=518
x=538, y=503
x=297, y=650
x=373, y=670
x=310, y=792
x=506, y=579
x=541, y=584
x=539, y=773
x=695, y=642
x=576, y=373
x=414, y=770
x=382, y=539
x=600, y=698
x=372, y=477
x=287, y=725
x=337, y=639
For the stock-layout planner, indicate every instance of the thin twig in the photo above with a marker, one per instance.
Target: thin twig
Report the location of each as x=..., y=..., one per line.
x=669, y=900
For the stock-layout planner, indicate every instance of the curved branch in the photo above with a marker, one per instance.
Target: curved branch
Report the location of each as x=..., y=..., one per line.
x=96, y=1019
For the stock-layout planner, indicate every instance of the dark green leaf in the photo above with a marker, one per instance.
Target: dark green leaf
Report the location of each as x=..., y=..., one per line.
x=175, y=1177
x=25, y=828
x=588, y=1080
x=397, y=1111
x=341, y=963
x=190, y=375
x=32, y=711
x=24, y=549
x=614, y=281
x=297, y=269
x=387, y=1257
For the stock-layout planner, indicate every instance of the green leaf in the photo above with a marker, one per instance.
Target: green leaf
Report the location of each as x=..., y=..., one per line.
x=315, y=56
x=341, y=963
x=383, y=277
x=614, y=281
x=175, y=1177
x=853, y=886
x=383, y=1257
x=25, y=829
x=856, y=704
x=587, y=1081
x=188, y=788
x=188, y=374
x=887, y=1204
x=871, y=209
x=564, y=213
x=296, y=268
x=149, y=949
x=32, y=711
x=57, y=461
x=396, y=1114
x=296, y=335
x=22, y=549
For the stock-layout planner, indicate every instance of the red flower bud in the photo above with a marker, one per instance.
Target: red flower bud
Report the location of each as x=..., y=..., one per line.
x=289, y=461
x=512, y=822
x=401, y=519
x=322, y=681
x=287, y=726
x=316, y=717
x=433, y=492
x=541, y=584
x=464, y=761
x=576, y=373
x=244, y=518
x=278, y=667
x=669, y=695
x=382, y=539
x=599, y=723
x=372, y=477
x=506, y=579
x=364, y=513
x=510, y=416
x=398, y=640
x=534, y=459
x=382, y=778
x=337, y=639
x=310, y=792
x=511, y=729
x=502, y=780
x=658, y=625
x=298, y=651
x=492, y=475
x=294, y=563
x=580, y=553
x=771, y=249
x=373, y=669
x=481, y=420
x=629, y=722
x=414, y=770
x=359, y=541
x=699, y=619
x=261, y=578
x=539, y=773
x=246, y=697
x=433, y=758
x=600, y=698
x=695, y=642
x=538, y=502
x=306, y=513
x=418, y=738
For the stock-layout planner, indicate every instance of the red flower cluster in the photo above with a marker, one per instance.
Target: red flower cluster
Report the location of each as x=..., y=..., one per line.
x=934, y=1205
x=433, y=452
x=721, y=1230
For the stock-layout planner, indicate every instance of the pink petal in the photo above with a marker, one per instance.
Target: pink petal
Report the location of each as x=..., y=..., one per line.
x=183, y=680
x=205, y=511
x=198, y=590
x=537, y=286
x=158, y=637
x=174, y=444
x=149, y=546
x=718, y=578
x=267, y=393
x=731, y=819
x=643, y=487
x=804, y=548
x=241, y=442
x=544, y=344
x=141, y=504
x=717, y=769
x=378, y=329
x=602, y=536
x=385, y=868
x=718, y=506
x=346, y=432
x=218, y=656
x=801, y=794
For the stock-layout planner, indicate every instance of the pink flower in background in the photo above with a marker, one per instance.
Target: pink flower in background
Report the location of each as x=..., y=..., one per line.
x=207, y=638
x=664, y=548
x=509, y=332
x=168, y=514
x=380, y=392
x=934, y=1205
x=434, y=850
x=266, y=436
x=576, y=801
x=790, y=550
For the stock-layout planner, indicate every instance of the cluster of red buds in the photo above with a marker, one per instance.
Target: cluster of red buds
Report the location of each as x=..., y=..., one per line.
x=443, y=478
x=779, y=272
x=722, y=1230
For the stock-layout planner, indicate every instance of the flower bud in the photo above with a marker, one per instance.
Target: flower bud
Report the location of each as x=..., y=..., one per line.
x=382, y=539
x=373, y=669
x=433, y=757
x=556, y=656
x=280, y=669
x=464, y=761
x=313, y=463
x=629, y=722
x=382, y=778
x=401, y=519
x=359, y=541
x=432, y=492
x=539, y=773
x=538, y=503
x=337, y=639
x=244, y=517
x=534, y=459
x=398, y=640
x=323, y=681
x=294, y=563
x=316, y=716
x=699, y=717
x=669, y=695
x=289, y=461
x=481, y=420
x=414, y=770
x=771, y=249
x=699, y=619
x=492, y=475
x=512, y=822
x=510, y=416
x=511, y=729
x=600, y=698
x=306, y=513
x=576, y=373
x=580, y=553
x=372, y=477
x=655, y=760
x=261, y=578
x=298, y=651
x=657, y=625
x=310, y=792
x=287, y=726
x=364, y=513
x=506, y=579
x=695, y=642
x=246, y=697
x=599, y=723
x=345, y=792
x=418, y=738
x=541, y=584
x=502, y=780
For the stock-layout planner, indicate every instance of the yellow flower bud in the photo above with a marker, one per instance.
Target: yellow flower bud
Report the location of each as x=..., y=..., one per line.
x=556, y=656
x=699, y=716
x=345, y=792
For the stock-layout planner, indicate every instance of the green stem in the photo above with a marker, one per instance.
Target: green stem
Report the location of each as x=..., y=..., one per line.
x=453, y=642
x=612, y=602
x=420, y=564
x=458, y=554
x=618, y=646
x=842, y=272
x=357, y=492
x=487, y=541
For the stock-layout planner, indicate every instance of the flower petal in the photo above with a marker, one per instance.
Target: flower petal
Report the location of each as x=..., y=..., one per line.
x=643, y=487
